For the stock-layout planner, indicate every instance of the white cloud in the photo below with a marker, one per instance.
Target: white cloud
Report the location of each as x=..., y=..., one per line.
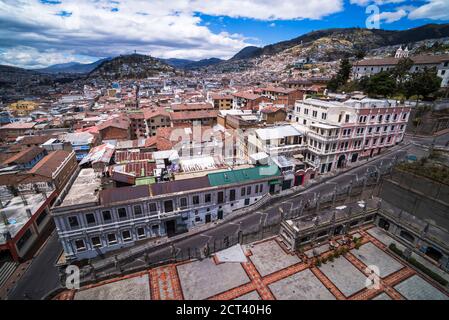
x=100, y=28
x=390, y=17
x=378, y=2
x=433, y=9
x=269, y=9
x=33, y=58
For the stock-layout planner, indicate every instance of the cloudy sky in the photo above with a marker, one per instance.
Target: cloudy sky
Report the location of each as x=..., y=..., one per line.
x=38, y=33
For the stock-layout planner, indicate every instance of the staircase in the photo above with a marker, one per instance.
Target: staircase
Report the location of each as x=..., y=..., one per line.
x=6, y=270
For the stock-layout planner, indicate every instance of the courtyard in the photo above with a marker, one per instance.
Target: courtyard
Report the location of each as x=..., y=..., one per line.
x=272, y=272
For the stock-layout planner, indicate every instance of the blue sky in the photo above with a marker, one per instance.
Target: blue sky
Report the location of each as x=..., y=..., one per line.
x=38, y=33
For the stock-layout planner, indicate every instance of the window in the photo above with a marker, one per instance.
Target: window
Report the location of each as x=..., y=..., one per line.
x=107, y=216
x=220, y=197
x=41, y=217
x=23, y=239
x=347, y=118
x=168, y=206
x=207, y=198
x=140, y=233
x=121, y=213
x=153, y=208
x=261, y=187
x=314, y=113
x=380, y=118
x=339, y=117
x=242, y=191
x=324, y=116
x=247, y=202
x=196, y=199
x=112, y=238
x=404, y=116
x=73, y=222
x=183, y=203
x=137, y=210
x=96, y=242
x=90, y=218
x=248, y=190
x=231, y=195
x=306, y=111
x=126, y=235
x=80, y=245
x=257, y=188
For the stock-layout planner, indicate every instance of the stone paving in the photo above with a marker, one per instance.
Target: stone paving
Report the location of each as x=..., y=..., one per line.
x=135, y=288
x=318, y=250
x=371, y=255
x=253, y=295
x=416, y=288
x=382, y=296
x=272, y=273
x=383, y=237
x=203, y=279
x=269, y=257
x=303, y=285
x=347, y=278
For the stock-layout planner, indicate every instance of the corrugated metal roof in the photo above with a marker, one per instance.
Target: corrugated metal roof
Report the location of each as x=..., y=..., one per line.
x=179, y=186
x=243, y=175
x=123, y=194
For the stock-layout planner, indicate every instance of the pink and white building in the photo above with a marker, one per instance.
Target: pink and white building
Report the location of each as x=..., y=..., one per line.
x=338, y=133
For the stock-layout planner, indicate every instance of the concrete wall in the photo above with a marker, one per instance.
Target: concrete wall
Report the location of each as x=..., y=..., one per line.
x=419, y=196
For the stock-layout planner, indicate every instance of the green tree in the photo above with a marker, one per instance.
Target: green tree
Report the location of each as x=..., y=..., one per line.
x=422, y=84
x=341, y=77
x=382, y=83
x=401, y=72
x=360, y=54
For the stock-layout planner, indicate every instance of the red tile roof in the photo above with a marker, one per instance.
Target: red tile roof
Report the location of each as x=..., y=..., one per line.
x=191, y=106
x=24, y=156
x=119, y=122
x=50, y=163
x=192, y=115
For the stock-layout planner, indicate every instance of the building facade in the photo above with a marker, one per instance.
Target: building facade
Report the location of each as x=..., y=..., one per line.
x=342, y=132
x=369, y=67
x=89, y=224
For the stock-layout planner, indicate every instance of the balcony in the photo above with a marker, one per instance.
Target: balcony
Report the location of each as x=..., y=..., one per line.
x=285, y=148
x=322, y=137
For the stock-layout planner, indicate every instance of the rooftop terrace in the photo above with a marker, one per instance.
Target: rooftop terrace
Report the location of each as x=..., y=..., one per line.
x=14, y=213
x=84, y=189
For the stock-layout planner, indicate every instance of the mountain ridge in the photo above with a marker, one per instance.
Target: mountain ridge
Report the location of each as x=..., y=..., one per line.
x=365, y=38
